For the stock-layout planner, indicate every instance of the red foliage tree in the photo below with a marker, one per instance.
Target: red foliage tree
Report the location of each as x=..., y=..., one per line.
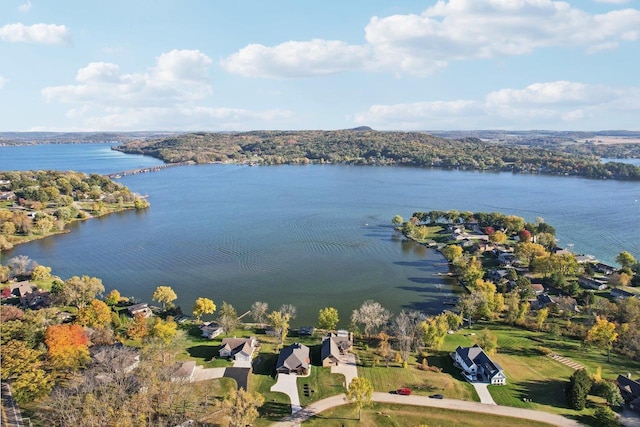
x=524, y=235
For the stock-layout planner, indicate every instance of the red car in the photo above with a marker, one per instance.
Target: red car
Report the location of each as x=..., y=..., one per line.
x=404, y=391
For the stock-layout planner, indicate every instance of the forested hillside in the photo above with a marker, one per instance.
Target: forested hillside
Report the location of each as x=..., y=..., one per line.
x=364, y=146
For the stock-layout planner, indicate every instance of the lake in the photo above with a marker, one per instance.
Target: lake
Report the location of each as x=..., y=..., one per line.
x=311, y=236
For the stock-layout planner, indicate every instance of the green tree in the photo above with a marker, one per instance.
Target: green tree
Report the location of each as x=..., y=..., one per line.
x=164, y=295
x=487, y=340
x=203, y=306
x=603, y=333
x=611, y=393
x=78, y=291
x=527, y=252
x=360, y=392
x=164, y=330
x=626, y=260
x=41, y=272
x=328, y=318
x=576, y=393
x=113, y=298
x=471, y=270
x=605, y=417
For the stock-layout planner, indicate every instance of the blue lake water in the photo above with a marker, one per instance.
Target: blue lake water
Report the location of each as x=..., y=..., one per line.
x=311, y=236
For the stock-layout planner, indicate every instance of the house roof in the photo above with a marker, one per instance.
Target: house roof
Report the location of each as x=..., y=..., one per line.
x=329, y=348
x=21, y=289
x=238, y=345
x=138, y=307
x=293, y=357
x=476, y=356
x=629, y=386
x=185, y=370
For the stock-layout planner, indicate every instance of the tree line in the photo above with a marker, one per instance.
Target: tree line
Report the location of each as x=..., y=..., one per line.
x=369, y=147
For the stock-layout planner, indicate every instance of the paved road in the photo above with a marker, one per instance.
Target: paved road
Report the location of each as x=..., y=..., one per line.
x=459, y=405
x=11, y=416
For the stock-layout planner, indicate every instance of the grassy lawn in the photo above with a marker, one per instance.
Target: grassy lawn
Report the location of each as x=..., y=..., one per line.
x=322, y=384
x=408, y=416
x=448, y=382
x=534, y=376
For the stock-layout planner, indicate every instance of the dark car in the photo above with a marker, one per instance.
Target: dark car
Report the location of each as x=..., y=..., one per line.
x=436, y=396
x=404, y=391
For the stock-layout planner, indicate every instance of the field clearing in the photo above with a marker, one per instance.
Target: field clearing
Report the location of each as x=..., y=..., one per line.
x=380, y=414
x=606, y=140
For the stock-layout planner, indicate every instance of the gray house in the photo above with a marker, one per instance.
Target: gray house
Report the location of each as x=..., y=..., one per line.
x=294, y=360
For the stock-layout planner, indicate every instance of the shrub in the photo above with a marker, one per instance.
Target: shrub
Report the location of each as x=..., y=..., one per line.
x=544, y=350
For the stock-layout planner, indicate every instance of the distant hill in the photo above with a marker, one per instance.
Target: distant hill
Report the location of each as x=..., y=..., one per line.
x=365, y=146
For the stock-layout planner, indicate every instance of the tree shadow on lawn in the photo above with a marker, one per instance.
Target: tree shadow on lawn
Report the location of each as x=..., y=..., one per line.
x=550, y=392
x=519, y=352
x=206, y=352
x=265, y=364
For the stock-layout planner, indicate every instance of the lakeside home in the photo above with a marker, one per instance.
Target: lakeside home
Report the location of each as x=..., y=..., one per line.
x=477, y=366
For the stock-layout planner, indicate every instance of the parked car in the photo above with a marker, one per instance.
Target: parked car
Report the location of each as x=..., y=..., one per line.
x=404, y=391
x=436, y=396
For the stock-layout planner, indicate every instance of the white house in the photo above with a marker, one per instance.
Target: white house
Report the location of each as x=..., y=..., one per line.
x=211, y=330
x=477, y=366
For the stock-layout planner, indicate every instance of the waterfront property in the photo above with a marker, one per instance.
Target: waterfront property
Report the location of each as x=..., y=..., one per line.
x=477, y=366
x=240, y=349
x=210, y=330
x=294, y=359
x=142, y=308
x=334, y=346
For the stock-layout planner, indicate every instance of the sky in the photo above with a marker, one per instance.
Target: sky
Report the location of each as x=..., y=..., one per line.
x=210, y=65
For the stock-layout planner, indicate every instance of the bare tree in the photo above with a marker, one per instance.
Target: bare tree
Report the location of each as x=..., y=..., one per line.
x=405, y=328
x=21, y=265
x=259, y=311
x=371, y=315
x=290, y=310
x=228, y=318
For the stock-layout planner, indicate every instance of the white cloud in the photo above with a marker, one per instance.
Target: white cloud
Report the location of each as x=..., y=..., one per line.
x=36, y=33
x=450, y=30
x=297, y=59
x=165, y=97
x=25, y=7
x=3, y=81
x=178, y=76
x=612, y=1
x=546, y=105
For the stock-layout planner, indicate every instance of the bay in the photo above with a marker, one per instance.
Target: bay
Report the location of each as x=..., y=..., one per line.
x=311, y=236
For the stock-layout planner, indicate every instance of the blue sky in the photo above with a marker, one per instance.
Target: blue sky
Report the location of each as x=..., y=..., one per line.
x=393, y=65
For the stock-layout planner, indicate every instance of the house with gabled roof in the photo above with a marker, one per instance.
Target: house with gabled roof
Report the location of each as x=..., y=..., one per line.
x=294, y=359
x=210, y=330
x=142, y=308
x=239, y=349
x=334, y=346
x=478, y=366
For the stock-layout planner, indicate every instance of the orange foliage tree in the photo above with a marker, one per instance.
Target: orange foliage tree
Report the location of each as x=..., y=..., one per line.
x=67, y=346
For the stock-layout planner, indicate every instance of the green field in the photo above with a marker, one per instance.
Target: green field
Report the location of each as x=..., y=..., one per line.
x=409, y=416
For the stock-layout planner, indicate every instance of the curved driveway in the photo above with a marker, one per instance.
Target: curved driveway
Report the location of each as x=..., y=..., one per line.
x=459, y=405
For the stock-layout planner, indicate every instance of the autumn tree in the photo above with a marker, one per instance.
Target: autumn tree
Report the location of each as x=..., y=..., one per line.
x=360, y=392
x=164, y=295
x=328, y=318
x=602, y=333
x=164, y=330
x=95, y=314
x=78, y=291
x=41, y=272
x=203, y=306
x=371, y=315
x=67, y=346
x=290, y=310
x=498, y=237
x=259, y=311
x=470, y=270
x=279, y=321
x=138, y=328
x=527, y=252
x=241, y=407
x=405, y=326
x=541, y=316
x=452, y=252
x=228, y=318
x=113, y=297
